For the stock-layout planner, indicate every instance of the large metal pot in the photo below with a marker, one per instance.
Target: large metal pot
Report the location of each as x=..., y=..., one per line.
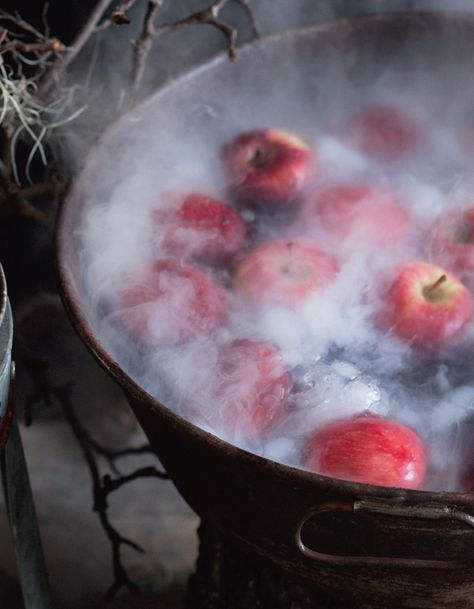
x=386, y=546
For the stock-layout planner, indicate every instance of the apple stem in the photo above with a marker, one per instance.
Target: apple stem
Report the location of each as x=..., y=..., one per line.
x=433, y=287
x=259, y=159
x=262, y=157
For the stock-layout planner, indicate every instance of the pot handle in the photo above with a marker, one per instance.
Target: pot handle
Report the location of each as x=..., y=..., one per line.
x=373, y=506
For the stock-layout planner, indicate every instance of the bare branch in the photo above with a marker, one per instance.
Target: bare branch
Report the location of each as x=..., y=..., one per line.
x=22, y=25
x=28, y=210
x=208, y=16
x=248, y=7
x=41, y=189
x=100, y=494
x=112, y=484
x=76, y=46
x=44, y=19
x=112, y=456
x=54, y=45
x=109, y=453
x=143, y=45
x=44, y=390
x=118, y=17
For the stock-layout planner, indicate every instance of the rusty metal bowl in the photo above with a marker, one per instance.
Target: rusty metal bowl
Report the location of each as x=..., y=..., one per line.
x=384, y=546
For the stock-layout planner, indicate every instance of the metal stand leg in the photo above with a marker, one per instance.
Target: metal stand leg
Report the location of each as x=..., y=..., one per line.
x=23, y=524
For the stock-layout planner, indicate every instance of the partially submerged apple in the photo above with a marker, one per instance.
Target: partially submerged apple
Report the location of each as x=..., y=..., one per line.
x=355, y=210
x=267, y=167
x=169, y=303
x=251, y=388
x=284, y=272
x=426, y=304
x=368, y=449
x=383, y=132
x=452, y=238
x=204, y=229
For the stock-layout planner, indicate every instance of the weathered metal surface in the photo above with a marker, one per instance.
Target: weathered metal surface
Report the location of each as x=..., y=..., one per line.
x=227, y=577
x=18, y=497
x=24, y=526
x=255, y=502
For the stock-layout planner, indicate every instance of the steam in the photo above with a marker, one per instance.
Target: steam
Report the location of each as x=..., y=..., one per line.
x=339, y=360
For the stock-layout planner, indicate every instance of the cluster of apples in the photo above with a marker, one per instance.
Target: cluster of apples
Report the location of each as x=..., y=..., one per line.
x=182, y=296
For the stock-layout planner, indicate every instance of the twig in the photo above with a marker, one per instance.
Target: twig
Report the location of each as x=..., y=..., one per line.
x=41, y=189
x=44, y=19
x=26, y=209
x=44, y=391
x=100, y=494
x=118, y=17
x=112, y=484
x=143, y=45
x=23, y=25
x=76, y=46
x=209, y=16
x=112, y=456
x=54, y=45
x=248, y=7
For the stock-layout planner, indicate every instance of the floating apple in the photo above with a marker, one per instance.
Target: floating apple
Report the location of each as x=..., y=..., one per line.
x=383, y=132
x=368, y=449
x=204, y=229
x=267, y=167
x=372, y=215
x=284, y=272
x=251, y=390
x=169, y=303
x=426, y=305
x=453, y=238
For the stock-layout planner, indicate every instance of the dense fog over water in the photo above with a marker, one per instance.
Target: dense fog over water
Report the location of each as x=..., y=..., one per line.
x=183, y=324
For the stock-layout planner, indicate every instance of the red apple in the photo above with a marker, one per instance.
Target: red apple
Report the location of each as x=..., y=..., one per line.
x=426, y=305
x=169, y=303
x=204, y=229
x=370, y=450
x=251, y=389
x=383, y=132
x=453, y=238
x=284, y=272
x=373, y=215
x=463, y=131
x=267, y=167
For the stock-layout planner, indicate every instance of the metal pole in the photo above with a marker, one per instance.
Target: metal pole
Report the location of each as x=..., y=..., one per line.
x=24, y=526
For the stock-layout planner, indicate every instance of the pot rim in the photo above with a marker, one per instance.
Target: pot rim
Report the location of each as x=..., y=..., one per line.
x=71, y=300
